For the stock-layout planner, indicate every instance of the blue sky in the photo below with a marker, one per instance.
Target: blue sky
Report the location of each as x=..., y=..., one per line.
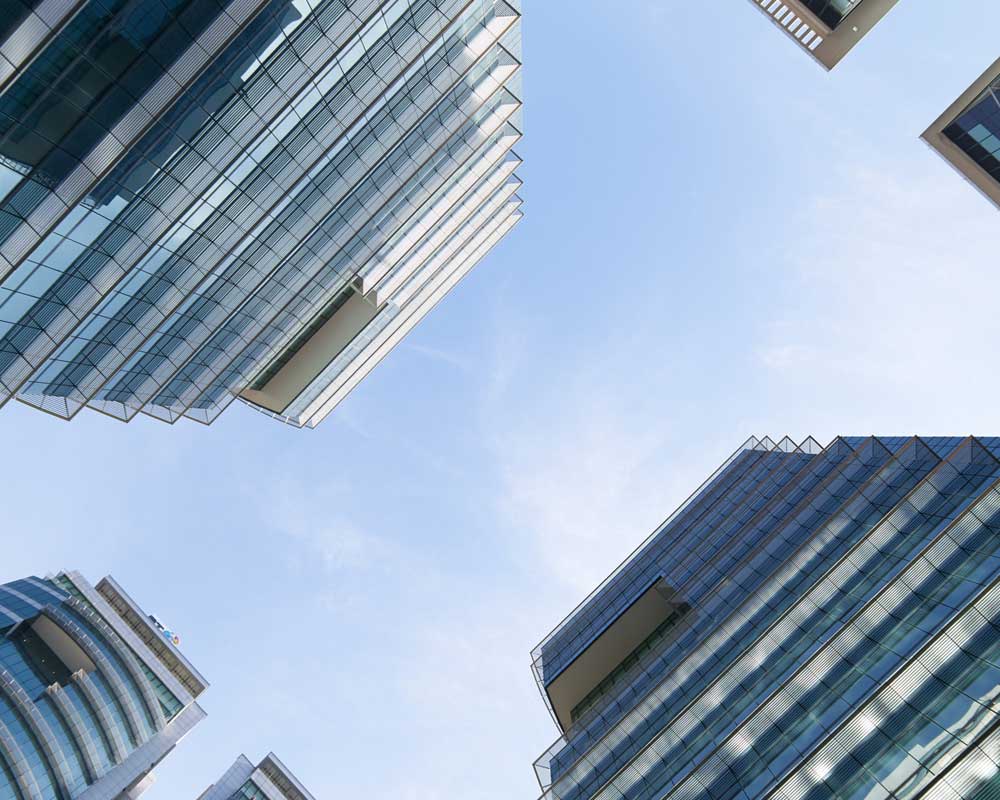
x=720, y=239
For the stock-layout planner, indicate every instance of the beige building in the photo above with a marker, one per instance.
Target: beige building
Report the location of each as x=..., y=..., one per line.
x=967, y=134
x=826, y=29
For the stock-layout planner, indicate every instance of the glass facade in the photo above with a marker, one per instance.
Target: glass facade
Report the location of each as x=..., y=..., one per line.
x=268, y=780
x=85, y=708
x=976, y=131
x=204, y=200
x=814, y=622
x=831, y=12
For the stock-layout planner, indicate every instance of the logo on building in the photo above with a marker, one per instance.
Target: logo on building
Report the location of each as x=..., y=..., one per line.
x=168, y=634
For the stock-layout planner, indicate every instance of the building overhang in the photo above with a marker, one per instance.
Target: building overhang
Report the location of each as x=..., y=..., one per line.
x=600, y=658
x=283, y=779
x=302, y=363
x=827, y=45
x=152, y=637
x=935, y=137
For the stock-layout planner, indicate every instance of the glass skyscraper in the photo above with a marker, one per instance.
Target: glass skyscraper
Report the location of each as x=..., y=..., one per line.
x=268, y=780
x=967, y=134
x=203, y=200
x=826, y=29
x=814, y=622
x=93, y=693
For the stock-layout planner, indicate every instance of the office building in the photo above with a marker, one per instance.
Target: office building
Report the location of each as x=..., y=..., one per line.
x=93, y=694
x=204, y=200
x=268, y=780
x=826, y=29
x=967, y=134
x=813, y=622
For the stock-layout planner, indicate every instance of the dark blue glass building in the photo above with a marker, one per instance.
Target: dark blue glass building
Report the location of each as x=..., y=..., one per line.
x=203, y=200
x=93, y=692
x=814, y=622
x=967, y=134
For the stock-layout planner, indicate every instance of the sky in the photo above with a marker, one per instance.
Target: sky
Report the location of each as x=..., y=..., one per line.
x=720, y=239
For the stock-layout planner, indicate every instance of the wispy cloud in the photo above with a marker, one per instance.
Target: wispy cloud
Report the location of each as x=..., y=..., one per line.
x=584, y=466
x=582, y=487
x=891, y=289
x=438, y=354
x=307, y=515
x=891, y=273
x=786, y=356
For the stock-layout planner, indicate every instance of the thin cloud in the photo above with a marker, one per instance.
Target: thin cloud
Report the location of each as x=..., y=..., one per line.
x=893, y=272
x=317, y=533
x=442, y=356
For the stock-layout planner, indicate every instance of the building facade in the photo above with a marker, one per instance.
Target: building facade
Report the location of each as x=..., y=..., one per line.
x=204, y=200
x=826, y=29
x=814, y=622
x=268, y=780
x=967, y=134
x=92, y=694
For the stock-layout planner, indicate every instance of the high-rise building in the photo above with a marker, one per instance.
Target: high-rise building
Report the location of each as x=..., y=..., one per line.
x=93, y=694
x=967, y=134
x=814, y=622
x=826, y=29
x=269, y=780
x=203, y=200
